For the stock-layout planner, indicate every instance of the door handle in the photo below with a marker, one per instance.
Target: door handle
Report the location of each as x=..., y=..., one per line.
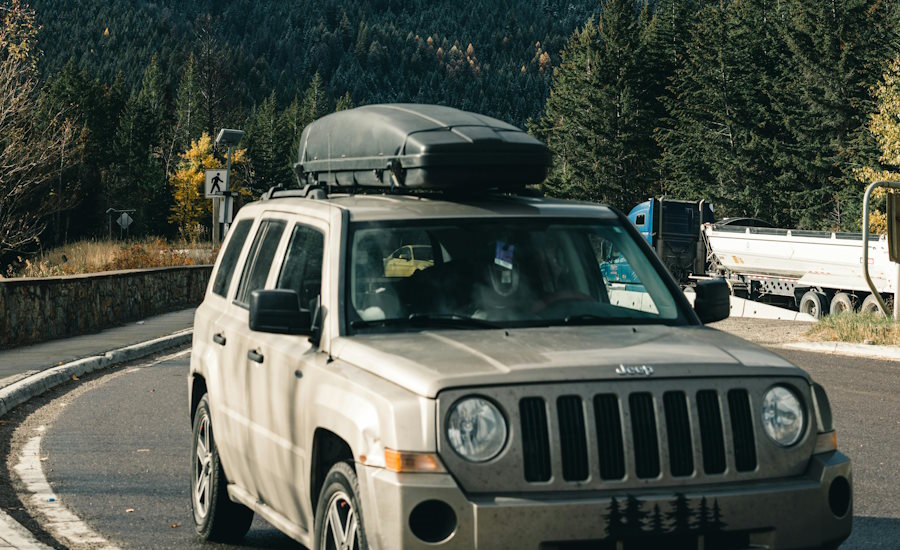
x=219, y=338
x=254, y=356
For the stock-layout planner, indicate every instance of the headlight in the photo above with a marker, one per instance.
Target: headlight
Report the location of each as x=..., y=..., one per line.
x=783, y=416
x=476, y=429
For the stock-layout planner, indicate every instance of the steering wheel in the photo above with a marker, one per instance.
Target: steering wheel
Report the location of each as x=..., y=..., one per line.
x=561, y=296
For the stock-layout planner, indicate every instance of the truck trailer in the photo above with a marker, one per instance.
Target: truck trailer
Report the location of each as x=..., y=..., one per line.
x=815, y=272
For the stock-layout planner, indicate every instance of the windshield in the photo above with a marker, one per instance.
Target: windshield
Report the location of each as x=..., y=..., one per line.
x=479, y=273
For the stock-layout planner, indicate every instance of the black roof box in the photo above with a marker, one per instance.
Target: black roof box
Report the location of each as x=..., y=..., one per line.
x=419, y=146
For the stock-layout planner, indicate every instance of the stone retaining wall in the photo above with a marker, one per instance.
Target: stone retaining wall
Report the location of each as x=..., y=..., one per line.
x=38, y=309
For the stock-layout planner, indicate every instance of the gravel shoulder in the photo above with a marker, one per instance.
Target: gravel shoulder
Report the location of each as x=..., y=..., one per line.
x=765, y=331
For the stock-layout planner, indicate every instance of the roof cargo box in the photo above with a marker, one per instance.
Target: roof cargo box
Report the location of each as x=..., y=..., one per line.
x=419, y=146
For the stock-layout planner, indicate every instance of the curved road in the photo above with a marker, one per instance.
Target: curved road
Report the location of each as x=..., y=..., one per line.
x=123, y=444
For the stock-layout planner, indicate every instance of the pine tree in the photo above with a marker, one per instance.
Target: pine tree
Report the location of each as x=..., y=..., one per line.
x=837, y=53
x=718, y=140
x=266, y=148
x=188, y=104
x=681, y=516
x=634, y=517
x=569, y=119
x=600, y=117
x=344, y=102
x=315, y=102
x=614, y=525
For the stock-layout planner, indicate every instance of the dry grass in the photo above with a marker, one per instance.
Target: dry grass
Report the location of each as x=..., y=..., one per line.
x=96, y=256
x=857, y=327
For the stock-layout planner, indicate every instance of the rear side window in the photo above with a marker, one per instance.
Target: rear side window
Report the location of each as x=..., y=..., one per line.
x=230, y=257
x=302, y=269
x=259, y=260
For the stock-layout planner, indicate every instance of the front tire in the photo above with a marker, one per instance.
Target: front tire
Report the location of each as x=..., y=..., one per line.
x=216, y=518
x=339, y=524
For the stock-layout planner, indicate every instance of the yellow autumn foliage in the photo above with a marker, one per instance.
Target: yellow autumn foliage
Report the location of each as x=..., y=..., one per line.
x=885, y=126
x=190, y=209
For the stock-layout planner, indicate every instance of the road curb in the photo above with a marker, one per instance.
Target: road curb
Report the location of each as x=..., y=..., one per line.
x=843, y=348
x=21, y=391
x=15, y=535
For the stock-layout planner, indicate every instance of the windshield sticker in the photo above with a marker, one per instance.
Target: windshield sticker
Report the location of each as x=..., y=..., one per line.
x=504, y=255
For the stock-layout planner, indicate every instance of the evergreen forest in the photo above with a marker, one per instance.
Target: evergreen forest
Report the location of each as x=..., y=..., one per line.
x=777, y=109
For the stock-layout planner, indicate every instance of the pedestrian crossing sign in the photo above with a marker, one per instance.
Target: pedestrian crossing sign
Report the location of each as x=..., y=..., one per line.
x=216, y=183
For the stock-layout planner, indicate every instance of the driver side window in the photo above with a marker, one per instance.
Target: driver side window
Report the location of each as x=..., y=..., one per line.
x=302, y=269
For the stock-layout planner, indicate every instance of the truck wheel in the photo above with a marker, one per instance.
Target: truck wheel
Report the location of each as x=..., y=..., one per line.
x=216, y=518
x=814, y=303
x=339, y=524
x=870, y=306
x=840, y=303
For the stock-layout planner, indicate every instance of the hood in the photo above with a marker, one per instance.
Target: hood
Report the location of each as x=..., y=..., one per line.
x=427, y=362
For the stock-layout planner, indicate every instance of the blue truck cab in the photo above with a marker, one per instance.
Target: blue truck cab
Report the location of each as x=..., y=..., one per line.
x=673, y=230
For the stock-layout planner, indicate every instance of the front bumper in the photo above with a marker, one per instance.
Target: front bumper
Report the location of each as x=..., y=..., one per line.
x=786, y=513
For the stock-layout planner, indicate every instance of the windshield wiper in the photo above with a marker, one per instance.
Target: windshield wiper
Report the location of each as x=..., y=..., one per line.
x=443, y=320
x=586, y=319
x=449, y=320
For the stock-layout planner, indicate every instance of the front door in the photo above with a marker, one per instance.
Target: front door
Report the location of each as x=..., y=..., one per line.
x=278, y=441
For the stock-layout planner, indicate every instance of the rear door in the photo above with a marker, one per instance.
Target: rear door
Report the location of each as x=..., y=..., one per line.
x=210, y=348
x=241, y=348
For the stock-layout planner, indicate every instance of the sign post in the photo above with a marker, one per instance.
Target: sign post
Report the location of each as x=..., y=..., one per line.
x=222, y=200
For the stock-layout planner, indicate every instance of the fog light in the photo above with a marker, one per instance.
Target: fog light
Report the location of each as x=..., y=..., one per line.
x=433, y=521
x=839, y=496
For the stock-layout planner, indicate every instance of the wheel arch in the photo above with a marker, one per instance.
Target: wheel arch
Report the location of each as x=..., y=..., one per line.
x=328, y=449
x=198, y=390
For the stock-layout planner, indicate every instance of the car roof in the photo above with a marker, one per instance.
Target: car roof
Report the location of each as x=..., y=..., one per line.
x=384, y=207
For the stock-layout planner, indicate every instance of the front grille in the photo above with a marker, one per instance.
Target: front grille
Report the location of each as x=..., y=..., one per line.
x=572, y=438
x=629, y=434
x=648, y=423
x=535, y=442
x=609, y=436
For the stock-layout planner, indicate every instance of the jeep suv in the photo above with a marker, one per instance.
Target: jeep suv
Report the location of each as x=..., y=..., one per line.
x=505, y=393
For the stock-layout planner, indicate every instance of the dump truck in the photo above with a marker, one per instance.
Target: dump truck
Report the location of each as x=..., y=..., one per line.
x=815, y=272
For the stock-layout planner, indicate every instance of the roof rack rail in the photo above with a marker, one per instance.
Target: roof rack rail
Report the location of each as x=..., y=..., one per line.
x=311, y=191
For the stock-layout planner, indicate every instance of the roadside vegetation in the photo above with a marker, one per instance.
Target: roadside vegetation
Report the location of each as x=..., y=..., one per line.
x=864, y=328
x=96, y=256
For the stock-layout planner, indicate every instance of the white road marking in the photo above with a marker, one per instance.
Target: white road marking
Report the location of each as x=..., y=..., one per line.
x=58, y=520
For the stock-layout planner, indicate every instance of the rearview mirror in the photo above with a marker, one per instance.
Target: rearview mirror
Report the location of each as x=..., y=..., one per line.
x=713, y=300
x=278, y=311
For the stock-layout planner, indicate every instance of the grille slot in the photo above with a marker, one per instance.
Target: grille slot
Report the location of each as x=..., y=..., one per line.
x=572, y=438
x=608, y=419
x=742, y=430
x=678, y=430
x=711, y=438
x=643, y=429
x=535, y=439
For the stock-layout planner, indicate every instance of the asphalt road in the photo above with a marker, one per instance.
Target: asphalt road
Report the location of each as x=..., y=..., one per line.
x=124, y=440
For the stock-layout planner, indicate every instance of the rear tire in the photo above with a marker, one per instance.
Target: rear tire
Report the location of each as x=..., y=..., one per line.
x=841, y=303
x=870, y=306
x=814, y=304
x=216, y=518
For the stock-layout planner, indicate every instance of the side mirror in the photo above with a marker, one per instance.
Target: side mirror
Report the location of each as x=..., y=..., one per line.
x=893, y=226
x=713, y=300
x=278, y=311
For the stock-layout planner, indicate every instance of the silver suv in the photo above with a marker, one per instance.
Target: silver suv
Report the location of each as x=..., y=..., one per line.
x=387, y=359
